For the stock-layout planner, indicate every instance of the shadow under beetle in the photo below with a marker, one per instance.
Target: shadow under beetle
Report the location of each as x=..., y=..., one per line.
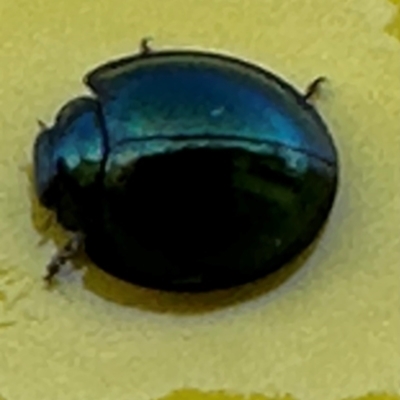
x=187, y=170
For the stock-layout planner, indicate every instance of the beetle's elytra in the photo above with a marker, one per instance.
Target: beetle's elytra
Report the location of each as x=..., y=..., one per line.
x=187, y=170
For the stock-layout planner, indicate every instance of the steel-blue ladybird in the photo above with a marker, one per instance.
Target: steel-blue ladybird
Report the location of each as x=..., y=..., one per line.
x=187, y=170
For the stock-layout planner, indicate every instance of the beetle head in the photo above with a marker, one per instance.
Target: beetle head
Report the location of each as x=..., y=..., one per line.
x=68, y=159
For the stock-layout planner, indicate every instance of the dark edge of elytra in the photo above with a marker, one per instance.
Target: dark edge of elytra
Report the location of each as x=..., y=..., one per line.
x=294, y=253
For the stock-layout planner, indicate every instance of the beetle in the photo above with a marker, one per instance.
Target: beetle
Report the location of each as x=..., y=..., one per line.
x=187, y=170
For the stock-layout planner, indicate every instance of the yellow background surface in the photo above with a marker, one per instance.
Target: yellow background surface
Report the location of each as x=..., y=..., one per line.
x=329, y=331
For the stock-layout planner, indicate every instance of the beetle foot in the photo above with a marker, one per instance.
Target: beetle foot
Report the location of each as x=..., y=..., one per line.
x=314, y=88
x=69, y=251
x=144, y=48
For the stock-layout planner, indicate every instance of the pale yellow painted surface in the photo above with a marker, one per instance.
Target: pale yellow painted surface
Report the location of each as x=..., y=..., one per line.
x=328, y=332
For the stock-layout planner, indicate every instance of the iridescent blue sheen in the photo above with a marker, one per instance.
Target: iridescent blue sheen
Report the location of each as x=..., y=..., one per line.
x=202, y=94
x=188, y=170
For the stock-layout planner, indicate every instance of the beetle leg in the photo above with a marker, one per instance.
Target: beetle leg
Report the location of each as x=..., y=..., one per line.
x=70, y=250
x=42, y=125
x=144, y=48
x=314, y=88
